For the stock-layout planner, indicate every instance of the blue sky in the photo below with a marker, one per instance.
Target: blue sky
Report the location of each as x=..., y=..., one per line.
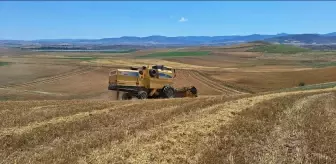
x=88, y=19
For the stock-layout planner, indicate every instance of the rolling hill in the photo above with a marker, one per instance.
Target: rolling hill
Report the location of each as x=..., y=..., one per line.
x=305, y=39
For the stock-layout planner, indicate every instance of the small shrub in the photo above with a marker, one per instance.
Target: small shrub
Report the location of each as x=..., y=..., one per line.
x=302, y=84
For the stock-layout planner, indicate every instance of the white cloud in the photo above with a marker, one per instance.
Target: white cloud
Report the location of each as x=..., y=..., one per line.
x=183, y=19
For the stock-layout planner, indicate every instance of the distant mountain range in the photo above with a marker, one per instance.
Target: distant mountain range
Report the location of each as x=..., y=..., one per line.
x=163, y=41
x=305, y=39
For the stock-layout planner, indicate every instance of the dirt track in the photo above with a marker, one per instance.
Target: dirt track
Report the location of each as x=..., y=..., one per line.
x=151, y=131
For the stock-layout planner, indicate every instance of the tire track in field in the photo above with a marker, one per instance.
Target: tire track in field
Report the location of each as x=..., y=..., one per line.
x=51, y=79
x=201, y=75
x=192, y=75
x=184, y=77
x=211, y=84
x=214, y=85
x=218, y=82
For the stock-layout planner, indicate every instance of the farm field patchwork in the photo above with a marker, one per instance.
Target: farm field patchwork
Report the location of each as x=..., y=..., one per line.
x=176, y=54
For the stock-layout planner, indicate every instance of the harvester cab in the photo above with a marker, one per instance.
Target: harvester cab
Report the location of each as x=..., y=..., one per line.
x=147, y=82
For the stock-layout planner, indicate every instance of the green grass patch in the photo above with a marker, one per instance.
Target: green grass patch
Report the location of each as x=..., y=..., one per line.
x=324, y=64
x=119, y=51
x=311, y=87
x=279, y=48
x=4, y=98
x=177, y=54
x=318, y=64
x=79, y=58
x=3, y=63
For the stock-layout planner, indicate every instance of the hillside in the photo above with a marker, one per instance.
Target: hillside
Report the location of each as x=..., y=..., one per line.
x=328, y=47
x=305, y=39
x=278, y=48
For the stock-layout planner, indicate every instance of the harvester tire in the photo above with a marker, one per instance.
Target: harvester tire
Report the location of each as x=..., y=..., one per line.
x=142, y=95
x=193, y=90
x=126, y=96
x=168, y=92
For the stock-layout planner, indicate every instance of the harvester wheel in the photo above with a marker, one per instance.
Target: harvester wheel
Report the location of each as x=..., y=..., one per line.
x=193, y=90
x=168, y=92
x=142, y=95
x=126, y=96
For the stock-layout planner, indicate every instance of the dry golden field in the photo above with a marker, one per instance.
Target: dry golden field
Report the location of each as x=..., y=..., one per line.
x=55, y=108
x=261, y=81
x=289, y=127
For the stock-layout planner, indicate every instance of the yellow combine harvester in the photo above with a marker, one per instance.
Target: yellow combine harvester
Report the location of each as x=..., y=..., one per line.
x=147, y=82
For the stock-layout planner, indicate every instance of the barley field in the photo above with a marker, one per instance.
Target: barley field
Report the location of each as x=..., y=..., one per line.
x=288, y=127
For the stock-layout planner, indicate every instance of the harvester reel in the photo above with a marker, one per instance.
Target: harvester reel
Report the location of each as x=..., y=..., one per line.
x=168, y=92
x=142, y=95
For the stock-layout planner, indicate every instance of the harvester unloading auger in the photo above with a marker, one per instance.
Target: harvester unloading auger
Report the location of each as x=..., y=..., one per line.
x=147, y=82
